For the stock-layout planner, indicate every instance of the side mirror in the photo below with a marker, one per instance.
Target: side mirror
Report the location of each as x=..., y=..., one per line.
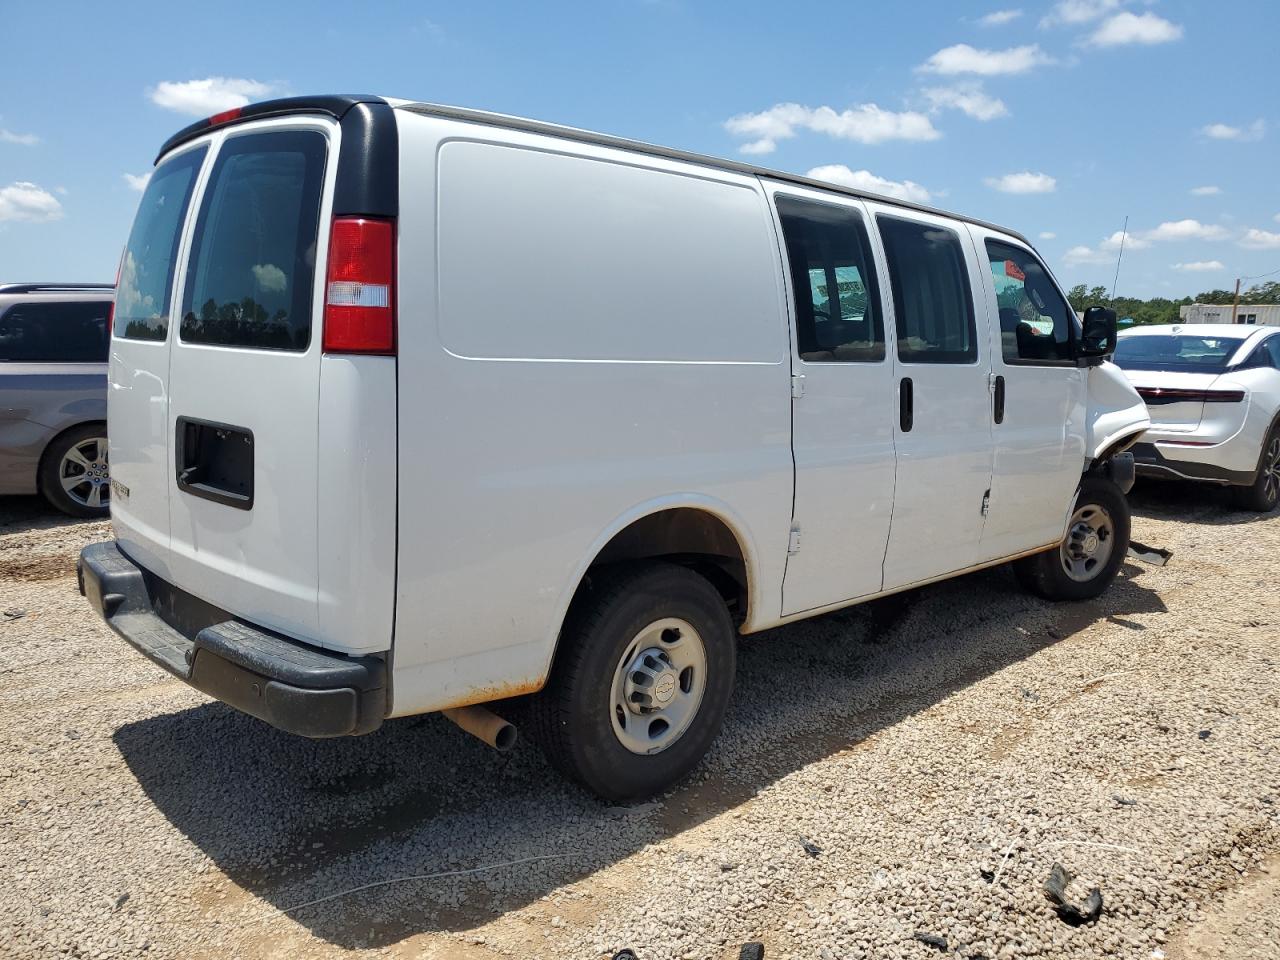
x=1098, y=336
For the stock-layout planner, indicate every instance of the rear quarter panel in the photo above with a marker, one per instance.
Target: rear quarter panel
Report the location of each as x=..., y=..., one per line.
x=37, y=402
x=559, y=379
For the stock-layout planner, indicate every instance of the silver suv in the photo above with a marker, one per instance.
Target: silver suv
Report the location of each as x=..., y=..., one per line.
x=53, y=393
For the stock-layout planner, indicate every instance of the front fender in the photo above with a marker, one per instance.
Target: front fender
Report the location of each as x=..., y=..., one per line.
x=1117, y=416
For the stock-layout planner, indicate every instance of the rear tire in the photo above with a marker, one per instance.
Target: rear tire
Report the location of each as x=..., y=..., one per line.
x=73, y=472
x=641, y=683
x=1091, y=552
x=1263, y=494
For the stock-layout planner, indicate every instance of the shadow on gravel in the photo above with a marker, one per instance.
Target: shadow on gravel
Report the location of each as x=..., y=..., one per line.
x=291, y=820
x=1189, y=502
x=22, y=514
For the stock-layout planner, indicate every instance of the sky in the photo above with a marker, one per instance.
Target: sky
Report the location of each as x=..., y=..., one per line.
x=1059, y=119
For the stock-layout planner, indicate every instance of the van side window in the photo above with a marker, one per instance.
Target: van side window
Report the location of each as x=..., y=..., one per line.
x=932, y=302
x=837, y=300
x=253, y=256
x=146, y=270
x=1036, y=323
x=1273, y=347
x=55, y=333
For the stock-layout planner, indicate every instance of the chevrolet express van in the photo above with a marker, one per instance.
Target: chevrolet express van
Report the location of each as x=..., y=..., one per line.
x=415, y=408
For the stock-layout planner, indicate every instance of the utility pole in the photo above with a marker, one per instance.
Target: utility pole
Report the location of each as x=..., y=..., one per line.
x=1236, y=306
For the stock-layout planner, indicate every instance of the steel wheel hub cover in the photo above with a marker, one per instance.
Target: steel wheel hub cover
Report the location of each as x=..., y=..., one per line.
x=658, y=686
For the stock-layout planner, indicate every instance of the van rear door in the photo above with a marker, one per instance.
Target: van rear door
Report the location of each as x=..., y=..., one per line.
x=244, y=379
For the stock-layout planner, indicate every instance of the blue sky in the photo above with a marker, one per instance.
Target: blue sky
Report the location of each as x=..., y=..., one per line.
x=1057, y=118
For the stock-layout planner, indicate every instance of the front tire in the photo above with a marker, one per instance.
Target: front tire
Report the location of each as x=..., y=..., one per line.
x=74, y=473
x=1263, y=494
x=641, y=682
x=1091, y=552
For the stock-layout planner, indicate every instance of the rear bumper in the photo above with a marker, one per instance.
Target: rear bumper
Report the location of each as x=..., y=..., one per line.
x=292, y=686
x=1151, y=461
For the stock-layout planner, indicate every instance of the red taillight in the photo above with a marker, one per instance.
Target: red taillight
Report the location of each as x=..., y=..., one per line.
x=226, y=116
x=359, y=311
x=1161, y=395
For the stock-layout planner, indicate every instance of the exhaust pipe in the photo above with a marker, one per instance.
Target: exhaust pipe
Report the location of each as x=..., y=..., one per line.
x=484, y=724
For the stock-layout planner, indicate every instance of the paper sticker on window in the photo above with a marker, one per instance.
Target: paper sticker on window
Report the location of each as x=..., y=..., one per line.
x=1013, y=271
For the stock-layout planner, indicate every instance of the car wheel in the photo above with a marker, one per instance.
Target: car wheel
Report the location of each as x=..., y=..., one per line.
x=73, y=473
x=1091, y=551
x=1264, y=493
x=641, y=682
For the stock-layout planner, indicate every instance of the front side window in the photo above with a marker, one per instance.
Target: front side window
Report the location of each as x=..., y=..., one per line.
x=253, y=257
x=932, y=301
x=1273, y=347
x=55, y=333
x=837, y=300
x=1036, y=323
x=146, y=272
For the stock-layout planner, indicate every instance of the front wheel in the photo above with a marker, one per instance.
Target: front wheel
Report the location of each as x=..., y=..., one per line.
x=641, y=683
x=1091, y=552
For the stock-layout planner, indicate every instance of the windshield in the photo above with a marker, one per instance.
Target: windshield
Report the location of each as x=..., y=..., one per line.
x=1182, y=352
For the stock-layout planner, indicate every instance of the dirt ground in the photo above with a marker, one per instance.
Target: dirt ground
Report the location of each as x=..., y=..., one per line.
x=903, y=771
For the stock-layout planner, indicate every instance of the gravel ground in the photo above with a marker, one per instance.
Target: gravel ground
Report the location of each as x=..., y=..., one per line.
x=912, y=767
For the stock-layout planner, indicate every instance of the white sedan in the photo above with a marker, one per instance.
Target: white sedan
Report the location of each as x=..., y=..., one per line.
x=1213, y=391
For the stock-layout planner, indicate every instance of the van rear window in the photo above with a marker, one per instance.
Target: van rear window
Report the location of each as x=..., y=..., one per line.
x=146, y=272
x=253, y=257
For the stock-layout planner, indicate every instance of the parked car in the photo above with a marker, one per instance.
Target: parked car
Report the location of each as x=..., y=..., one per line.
x=53, y=393
x=1214, y=395
x=438, y=408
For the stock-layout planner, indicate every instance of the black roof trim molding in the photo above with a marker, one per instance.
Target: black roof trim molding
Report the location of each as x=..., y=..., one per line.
x=335, y=105
x=667, y=153
x=54, y=287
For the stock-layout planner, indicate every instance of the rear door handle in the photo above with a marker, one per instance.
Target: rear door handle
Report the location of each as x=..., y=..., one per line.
x=906, y=405
x=999, y=400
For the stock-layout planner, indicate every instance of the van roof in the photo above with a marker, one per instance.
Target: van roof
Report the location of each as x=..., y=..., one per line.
x=337, y=105
x=639, y=146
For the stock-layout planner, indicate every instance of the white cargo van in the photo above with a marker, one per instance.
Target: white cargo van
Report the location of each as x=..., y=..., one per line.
x=415, y=408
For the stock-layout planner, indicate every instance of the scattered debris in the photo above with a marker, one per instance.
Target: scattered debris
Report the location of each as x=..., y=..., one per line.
x=73, y=734
x=1054, y=632
x=122, y=900
x=1156, y=556
x=1205, y=734
x=1124, y=801
x=987, y=875
x=626, y=953
x=14, y=613
x=931, y=940
x=1029, y=694
x=751, y=951
x=1055, y=888
x=811, y=848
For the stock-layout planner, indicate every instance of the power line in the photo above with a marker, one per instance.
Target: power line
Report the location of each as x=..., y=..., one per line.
x=1123, y=233
x=1261, y=275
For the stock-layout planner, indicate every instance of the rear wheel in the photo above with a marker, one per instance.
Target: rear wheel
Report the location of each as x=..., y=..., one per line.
x=74, y=473
x=1091, y=552
x=1264, y=493
x=641, y=683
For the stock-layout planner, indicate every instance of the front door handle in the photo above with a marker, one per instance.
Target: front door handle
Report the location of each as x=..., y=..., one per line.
x=906, y=405
x=999, y=400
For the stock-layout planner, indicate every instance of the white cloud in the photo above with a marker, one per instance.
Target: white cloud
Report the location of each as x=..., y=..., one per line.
x=970, y=100
x=868, y=181
x=998, y=18
x=1255, y=239
x=1200, y=266
x=1276, y=218
x=1078, y=11
x=963, y=58
x=1082, y=254
x=1223, y=131
x=1025, y=182
x=270, y=277
x=1126, y=28
x=199, y=98
x=1172, y=230
x=1206, y=191
x=137, y=181
x=1130, y=241
x=865, y=123
x=21, y=139
x=1048, y=235
x=26, y=201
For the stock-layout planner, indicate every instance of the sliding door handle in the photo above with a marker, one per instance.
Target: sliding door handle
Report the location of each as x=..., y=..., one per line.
x=999, y=400
x=906, y=405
